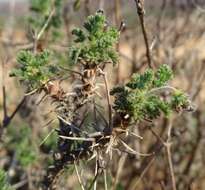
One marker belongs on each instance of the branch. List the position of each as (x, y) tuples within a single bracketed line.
[(7, 121), (108, 97), (45, 25), (168, 150), (141, 12), (119, 170), (4, 91), (79, 178)]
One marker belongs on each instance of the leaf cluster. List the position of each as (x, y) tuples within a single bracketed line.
[(142, 96), (95, 42), (34, 69)]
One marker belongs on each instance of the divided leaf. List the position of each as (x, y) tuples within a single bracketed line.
[(137, 97), (94, 44), (34, 70)]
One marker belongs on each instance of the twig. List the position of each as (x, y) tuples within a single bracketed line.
[(156, 135), (135, 135), (37, 35), (144, 172), (105, 179), (133, 151), (79, 178), (70, 70), (168, 150), (49, 134), (95, 178), (167, 145), (77, 138), (129, 132), (117, 22), (163, 88), (119, 170), (16, 110), (40, 33), (8, 119), (96, 172), (4, 90), (31, 92), (141, 12), (108, 98)]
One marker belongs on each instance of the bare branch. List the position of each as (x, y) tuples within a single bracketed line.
[(141, 12)]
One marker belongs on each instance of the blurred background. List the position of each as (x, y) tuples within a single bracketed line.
[(176, 34)]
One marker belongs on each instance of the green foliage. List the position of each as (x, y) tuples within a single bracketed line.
[(41, 10), (20, 141), (34, 69), (3, 182), (139, 99), (121, 103), (179, 100), (141, 81), (151, 79), (162, 76), (94, 43)]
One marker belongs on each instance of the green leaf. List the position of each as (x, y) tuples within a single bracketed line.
[(34, 69), (136, 100), (141, 81), (163, 75), (180, 101), (94, 44)]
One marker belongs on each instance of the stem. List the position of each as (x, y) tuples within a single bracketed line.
[(119, 170), (96, 173), (38, 35), (144, 172), (108, 98), (45, 25), (141, 12), (171, 168), (95, 178), (4, 91), (8, 120), (168, 150), (117, 22), (105, 179), (79, 178)]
